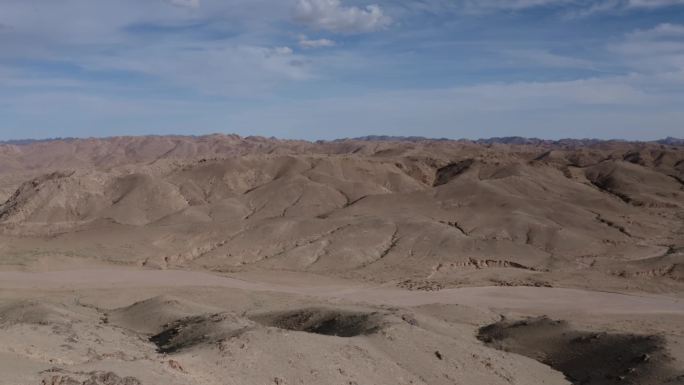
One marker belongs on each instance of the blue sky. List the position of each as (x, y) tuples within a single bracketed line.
[(323, 69)]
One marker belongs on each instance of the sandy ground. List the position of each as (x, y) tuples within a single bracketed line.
[(111, 325), (518, 298)]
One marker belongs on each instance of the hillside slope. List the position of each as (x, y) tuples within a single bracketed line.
[(420, 213)]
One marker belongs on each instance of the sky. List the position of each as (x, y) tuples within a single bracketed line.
[(325, 69)]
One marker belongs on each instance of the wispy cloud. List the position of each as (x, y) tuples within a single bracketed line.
[(186, 3), (620, 106), (659, 49), (305, 42), (664, 30), (608, 6), (653, 3), (570, 8), (212, 67), (530, 58), (332, 16), (511, 4)]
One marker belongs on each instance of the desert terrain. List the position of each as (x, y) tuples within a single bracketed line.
[(378, 260)]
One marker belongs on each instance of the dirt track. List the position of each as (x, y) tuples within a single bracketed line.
[(515, 298)]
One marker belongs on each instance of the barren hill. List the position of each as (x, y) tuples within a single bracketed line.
[(379, 260), (416, 212)]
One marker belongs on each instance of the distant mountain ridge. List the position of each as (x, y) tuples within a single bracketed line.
[(670, 141), (23, 142), (515, 140)]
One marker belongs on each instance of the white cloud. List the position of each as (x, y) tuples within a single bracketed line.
[(305, 42), (242, 64), (620, 106), (656, 50), (570, 8), (545, 95), (654, 3), (332, 16), (284, 51), (186, 3), (483, 6), (512, 4), (621, 6), (214, 68), (541, 58), (659, 31), (596, 8)]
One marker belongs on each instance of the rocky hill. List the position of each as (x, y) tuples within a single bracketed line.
[(420, 212)]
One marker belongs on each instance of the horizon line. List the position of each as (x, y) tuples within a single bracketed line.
[(370, 137)]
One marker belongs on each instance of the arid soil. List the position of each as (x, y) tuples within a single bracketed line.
[(587, 357), (228, 260)]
